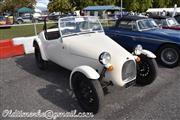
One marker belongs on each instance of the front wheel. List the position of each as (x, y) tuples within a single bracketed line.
[(146, 71), (88, 92)]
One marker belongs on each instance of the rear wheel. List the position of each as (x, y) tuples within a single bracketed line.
[(88, 92), (168, 55), (42, 64), (146, 71)]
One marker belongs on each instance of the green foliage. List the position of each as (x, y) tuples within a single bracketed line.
[(131, 5), (1, 8), (137, 5), (60, 6), (105, 2), (144, 5), (70, 5), (80, 4), (161, 3), (175, 2), (165, 3), (12, 5)]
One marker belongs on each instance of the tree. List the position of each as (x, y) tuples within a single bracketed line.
[(1, 6), (144, 5), (161, 3), (132, 5), (60, 6), (137, 5), (105, 2), (80, 4), (12, 5), (175, 2)]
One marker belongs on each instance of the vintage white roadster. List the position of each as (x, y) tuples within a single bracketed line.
[(96, 61)]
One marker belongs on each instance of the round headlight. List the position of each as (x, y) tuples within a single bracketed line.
[(139, 47), (105, 58)]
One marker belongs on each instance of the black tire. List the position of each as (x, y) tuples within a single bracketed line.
[(42, 64), (168, 55), (19, 21), (88, 92), (146, 71)]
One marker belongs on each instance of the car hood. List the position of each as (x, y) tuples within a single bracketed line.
[(164, 33), (93, 44), (90, 46)]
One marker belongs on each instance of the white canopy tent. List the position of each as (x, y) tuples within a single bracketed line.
[(151, 10)]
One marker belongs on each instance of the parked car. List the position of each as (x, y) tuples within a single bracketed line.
[(56, 16), (177, 17), (2, 20), (38, 17), (166, 22), (25, 18), (132, 30), (96, 61)]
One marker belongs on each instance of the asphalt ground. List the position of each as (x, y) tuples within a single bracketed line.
[(25, 88)]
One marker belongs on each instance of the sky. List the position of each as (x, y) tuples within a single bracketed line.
[(42, 4)]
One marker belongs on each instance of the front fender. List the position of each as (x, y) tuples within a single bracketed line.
[(88, 71), (148, 53), (38, 42)]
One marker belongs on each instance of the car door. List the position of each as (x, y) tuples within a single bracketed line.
[(27, 18), (54, 47)]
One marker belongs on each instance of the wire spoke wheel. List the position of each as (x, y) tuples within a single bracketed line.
[(169, 56)]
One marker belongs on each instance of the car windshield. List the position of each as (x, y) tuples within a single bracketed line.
[(172, 22), (78, 25), (147, 24)]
